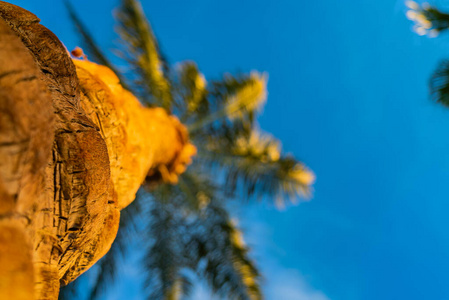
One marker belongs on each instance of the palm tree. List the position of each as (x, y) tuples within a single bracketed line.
[(430, 21), (186, 223)]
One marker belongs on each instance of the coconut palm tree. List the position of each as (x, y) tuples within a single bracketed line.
[(185, 221)]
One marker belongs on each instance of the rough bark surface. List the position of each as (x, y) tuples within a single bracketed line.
[(141, 141), (74, 148)]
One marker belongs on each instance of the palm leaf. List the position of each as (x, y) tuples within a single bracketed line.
[(92, 49), (198, 235), (191, 91), (219, 254), (142, 52), (255, 164), (233, 98), (196, 190), (162, 258), (212, 239), (181, 287), (439, 83)]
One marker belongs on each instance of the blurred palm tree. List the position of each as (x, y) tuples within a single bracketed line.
[(183, 224), (431, 21)]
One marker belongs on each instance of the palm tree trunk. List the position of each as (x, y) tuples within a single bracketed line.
[(74, 148)]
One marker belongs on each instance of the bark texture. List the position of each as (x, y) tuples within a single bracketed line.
[(74, 148)]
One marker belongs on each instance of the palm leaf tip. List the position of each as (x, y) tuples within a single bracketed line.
[(236, 235), (296, 181), (250, 97), (267, 150), (303, 177), (194, 82)]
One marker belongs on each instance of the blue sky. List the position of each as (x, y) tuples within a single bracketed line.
[(348, 96)]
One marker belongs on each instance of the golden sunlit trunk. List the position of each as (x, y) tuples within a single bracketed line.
[(74, 148), (141, 141)]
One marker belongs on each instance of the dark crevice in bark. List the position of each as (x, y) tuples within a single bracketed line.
[(9, 73), (26, 78)]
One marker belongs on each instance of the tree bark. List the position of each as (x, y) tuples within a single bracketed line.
[(74, 148)]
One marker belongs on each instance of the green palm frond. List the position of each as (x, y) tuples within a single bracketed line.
[(163, 258), (217, 250), (196, 190), (439, 83), (192, 91), (242, 263), (191, 194), (182, 287), (203, 238), (255, 164), (234, 98), (211, 238), (142, 53), (174, 207), (92, 49)]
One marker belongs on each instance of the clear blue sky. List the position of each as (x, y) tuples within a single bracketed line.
[(348, 96)]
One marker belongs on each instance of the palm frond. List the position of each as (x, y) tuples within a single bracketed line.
[(191, 90), (221, 257), (212, 243), (439, 83), (186, 285), (234, 98), (92, 49), (162, 258), (171, 206), (196, 191), (242, 263), (181, 287), (255, 164), (198, 235), (142, 52)]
